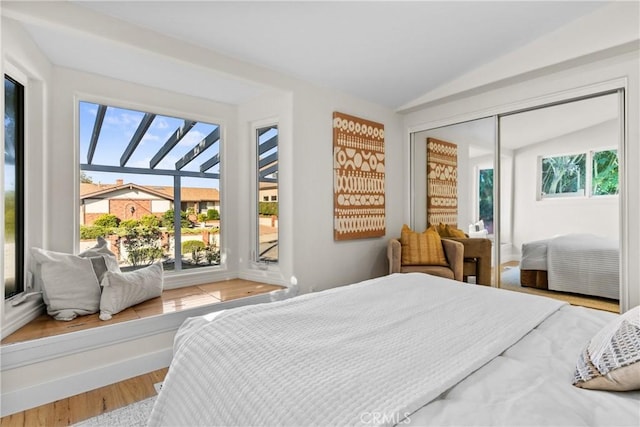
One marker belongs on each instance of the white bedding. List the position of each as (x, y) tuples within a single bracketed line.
[(585, 264), (375, 352), (579, 263), (530, 383), (534, 255)]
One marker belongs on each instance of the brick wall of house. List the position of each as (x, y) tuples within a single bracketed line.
[(89, 218), (122, 208)]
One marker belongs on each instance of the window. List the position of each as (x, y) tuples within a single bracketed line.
[(604, 173), (13, 187), (583, 174), (485, 198), (149, 184), (267, 177)]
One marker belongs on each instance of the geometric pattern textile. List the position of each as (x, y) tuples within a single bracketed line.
[(611, 360), (442, 182), (358, 178)]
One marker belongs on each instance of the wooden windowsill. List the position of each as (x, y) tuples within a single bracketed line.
[(171, 301)]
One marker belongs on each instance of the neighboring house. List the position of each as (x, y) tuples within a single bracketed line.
[(133, 201)]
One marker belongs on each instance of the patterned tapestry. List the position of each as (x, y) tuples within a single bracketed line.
[(442, 182), (358, 178)]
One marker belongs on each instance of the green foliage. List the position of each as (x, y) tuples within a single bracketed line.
[(202, 217), (191, 245), (90, 232), (150, 221), (485, 194), (10, 214), (190, 231), (563, 174), (268, 208), (605, 173), (85, 179), (167, 219), (129, 223), (107, 220), (213, 214), (142, 245)]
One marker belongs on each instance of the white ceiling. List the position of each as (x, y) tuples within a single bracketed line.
[(386, 52)]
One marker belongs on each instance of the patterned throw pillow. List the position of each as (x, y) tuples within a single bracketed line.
[(611, 359), (422, 248)]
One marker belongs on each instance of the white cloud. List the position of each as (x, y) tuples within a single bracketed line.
[(192, 138), (159, 123)]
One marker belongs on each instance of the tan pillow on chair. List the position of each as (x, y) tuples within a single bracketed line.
[(446, 230), (422, 248)]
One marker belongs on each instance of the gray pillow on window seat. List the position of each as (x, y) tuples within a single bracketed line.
[(70, 284), (122, 290)]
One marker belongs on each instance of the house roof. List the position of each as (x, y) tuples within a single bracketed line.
[(187, 194)]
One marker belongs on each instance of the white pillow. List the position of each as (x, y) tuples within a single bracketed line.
[(611, 359), (101, 249), (69, 284), (122, 290)]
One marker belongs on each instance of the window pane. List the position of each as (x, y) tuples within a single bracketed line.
[(133, 205), (563, 175), (605, 173), (13, 191), (485, 198), (267, 174)]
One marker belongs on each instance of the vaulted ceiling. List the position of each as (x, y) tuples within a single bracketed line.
[(387, 52)]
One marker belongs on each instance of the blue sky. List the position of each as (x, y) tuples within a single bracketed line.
[(118, 127)]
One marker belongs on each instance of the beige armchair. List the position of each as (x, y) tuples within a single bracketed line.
[(454, 251)]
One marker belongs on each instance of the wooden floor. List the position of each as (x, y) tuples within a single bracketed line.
[(83, 406), (172, 300)]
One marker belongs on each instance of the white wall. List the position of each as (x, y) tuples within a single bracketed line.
[(319, 261), (19, 52), (535, 219)]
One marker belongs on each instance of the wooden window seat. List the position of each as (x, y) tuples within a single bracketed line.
[(171, 301)]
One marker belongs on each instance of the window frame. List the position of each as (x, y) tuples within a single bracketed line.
[(21, 82), (588, 181), (256, 262), (175, 278)]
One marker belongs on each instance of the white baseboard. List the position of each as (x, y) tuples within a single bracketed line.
[(40, 394)]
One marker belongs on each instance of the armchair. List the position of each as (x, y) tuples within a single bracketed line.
[(454, 251), (477, 258)]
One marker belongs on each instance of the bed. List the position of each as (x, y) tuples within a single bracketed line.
[(577, 263), (401, 349)]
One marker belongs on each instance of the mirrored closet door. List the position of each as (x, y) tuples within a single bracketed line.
[(452, 172), (559, 196), (557, 186)]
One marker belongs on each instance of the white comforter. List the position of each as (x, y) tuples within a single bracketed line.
[(369, 353), (530, 383), (585, 264)]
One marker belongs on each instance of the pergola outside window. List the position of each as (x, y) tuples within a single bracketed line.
[(150, 186)]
